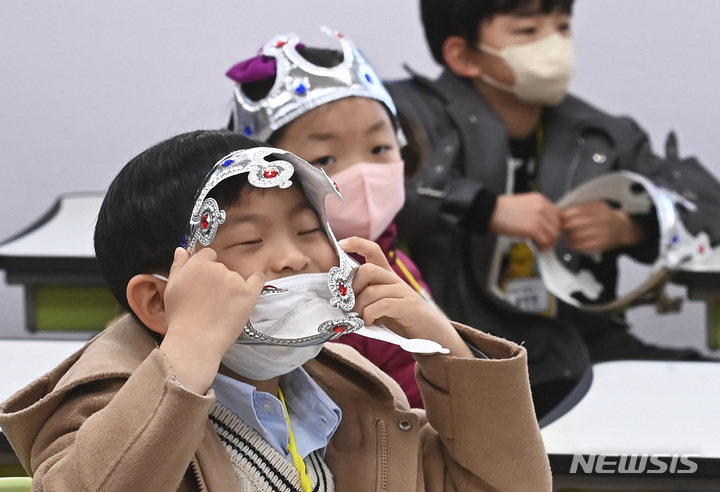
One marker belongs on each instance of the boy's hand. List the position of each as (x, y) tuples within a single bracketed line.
[(529, 216), (383, 297), (595, 227), (206, 305)]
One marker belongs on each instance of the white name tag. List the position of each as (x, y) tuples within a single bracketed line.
[(528, 294)]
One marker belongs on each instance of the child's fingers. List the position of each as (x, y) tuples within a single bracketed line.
[(375, 292), (396, 314), (372, 308), (370, 274), (367, 249), (255, 283), (180, 257)]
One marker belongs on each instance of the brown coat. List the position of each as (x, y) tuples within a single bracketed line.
[(113, 418)]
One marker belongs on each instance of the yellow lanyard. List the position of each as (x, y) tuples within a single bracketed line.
[(411, 279), (297, 459)]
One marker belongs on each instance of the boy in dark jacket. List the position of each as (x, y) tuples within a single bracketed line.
[(506, 142)]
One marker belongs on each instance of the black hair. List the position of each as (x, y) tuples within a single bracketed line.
[(147, 207), (444, 18), (324, 57)]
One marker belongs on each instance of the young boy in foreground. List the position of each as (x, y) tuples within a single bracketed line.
[(179, 394)]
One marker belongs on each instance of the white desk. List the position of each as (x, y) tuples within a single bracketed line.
[(67, 232), (642, 407), (22, 361)]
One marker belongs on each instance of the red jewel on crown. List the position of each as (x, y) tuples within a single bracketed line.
[(701, 249), (280, 44), (342, 289), (270, 173), (204, 223), (340, 328)]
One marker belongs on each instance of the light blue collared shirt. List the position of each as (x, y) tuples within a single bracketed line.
[(313, 415)]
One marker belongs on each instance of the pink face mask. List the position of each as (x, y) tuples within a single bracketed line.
[(373, 194)]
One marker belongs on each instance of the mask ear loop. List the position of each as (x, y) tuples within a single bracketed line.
[(160, 277)]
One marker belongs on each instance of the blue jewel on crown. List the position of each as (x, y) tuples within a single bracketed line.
[(300, 86)]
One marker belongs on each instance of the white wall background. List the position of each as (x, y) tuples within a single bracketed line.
[(86, 85)]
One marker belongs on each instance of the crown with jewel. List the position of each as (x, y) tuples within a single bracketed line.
[(301, 86), (267, 167)]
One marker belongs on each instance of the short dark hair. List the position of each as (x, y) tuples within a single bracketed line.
[(444, 18), (145, 212)]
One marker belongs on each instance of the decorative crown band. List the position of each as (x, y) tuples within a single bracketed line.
[(267, 167), (301, 86), (207, 215)]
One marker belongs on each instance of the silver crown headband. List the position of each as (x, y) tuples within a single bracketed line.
[(267, 167), (301, 86), (676, 246)]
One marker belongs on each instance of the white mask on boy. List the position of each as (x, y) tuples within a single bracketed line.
[(294, 309), (542, 68), (373, 194), (290, 308)]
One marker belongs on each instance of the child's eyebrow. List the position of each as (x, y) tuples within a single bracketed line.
[(322, 136), (377, 126), (300, 208), (294, 211), (243, 219)]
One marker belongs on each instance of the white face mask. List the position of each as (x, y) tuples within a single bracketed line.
[(542, 68), (299, 308), (294, 308), (373, 194)]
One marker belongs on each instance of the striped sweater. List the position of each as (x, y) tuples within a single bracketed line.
[(258, 465)]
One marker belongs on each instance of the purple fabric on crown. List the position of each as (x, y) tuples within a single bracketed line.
[(260, 67)]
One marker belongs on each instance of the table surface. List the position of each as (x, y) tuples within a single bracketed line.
[(643, 407), (22, 361), (67, 232)]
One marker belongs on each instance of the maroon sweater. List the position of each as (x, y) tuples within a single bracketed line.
[(393, 360)]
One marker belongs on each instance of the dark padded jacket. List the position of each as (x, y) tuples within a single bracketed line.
[(468, 153)]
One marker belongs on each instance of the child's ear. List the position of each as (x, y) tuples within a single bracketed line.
[(145, 295), (461, 58)]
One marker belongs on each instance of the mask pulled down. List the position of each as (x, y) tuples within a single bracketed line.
[(293, 317), (291, 320)]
